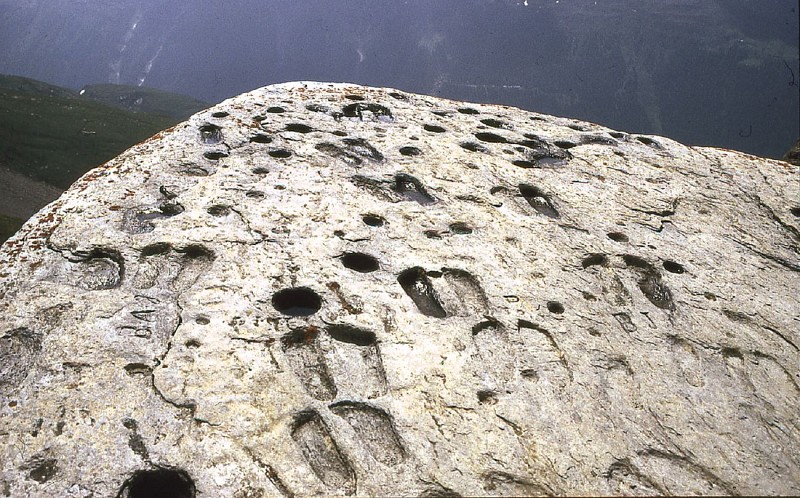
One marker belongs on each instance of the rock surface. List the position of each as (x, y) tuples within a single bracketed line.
[(332, 289)]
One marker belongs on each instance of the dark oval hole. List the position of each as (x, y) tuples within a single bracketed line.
[(254, 194), (460, 228), (473, 147), (170, 209), (317, 108), (299, 128), (434, 128), (636, 262), (351, 335), (673, 267), (196, 251), (210, 134), (616, 134), (218, 210), (577, 127), (648, 141), (354, 97), (261, 138), (594, 260), (297, 301), (524, 164), (360, 262), (215, 155), (495, 123), (372, 220), (158, 483), (490, 137), (156, 249), (220, 114), (795, 211), (617, 236), (555, 307), (260, 171), (468, 110), (276, 110), (280, 153), (398, 96), (410, 151), (563, 144)]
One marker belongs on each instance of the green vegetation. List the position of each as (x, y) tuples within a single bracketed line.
[(34, 87), (56, 139), (141, 99), (8, 227)]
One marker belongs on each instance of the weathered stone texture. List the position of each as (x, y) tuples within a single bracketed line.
[(332, 289)]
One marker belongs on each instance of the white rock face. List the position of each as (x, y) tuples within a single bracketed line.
[(332, 289)]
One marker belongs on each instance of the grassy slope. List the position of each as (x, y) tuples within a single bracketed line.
[(141, 99), (35, 87), (55, 139)]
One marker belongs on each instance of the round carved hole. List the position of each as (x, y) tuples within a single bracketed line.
[(297, 301), (360, 262), (673, 267), (555, 307), (434, 128), (410, 151), (617, 237), (158, 483), (280, 153), (372, 220)]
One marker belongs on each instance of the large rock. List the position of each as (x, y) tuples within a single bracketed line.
[(332, 289)]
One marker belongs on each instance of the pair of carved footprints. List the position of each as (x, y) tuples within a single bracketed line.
[(343, 358)]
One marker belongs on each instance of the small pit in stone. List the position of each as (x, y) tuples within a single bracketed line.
[(215, 155), (474, 147), (219, 210), (487, 396), (795, 211), (617, 236), (158, 483), (220, 114), (280, 153), (412, 189), (210, 134), (490, 138), (460, 228), (260, 138), (555, 307), (299, 128), (673, 267), (563, 144), (360, 262), (538, 200), (434, 128), (496, 123), (260, 171), (372, 220), (410, 151), (595, 260), (297, 301), (648, 141), (468, 110), (276, 110)]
